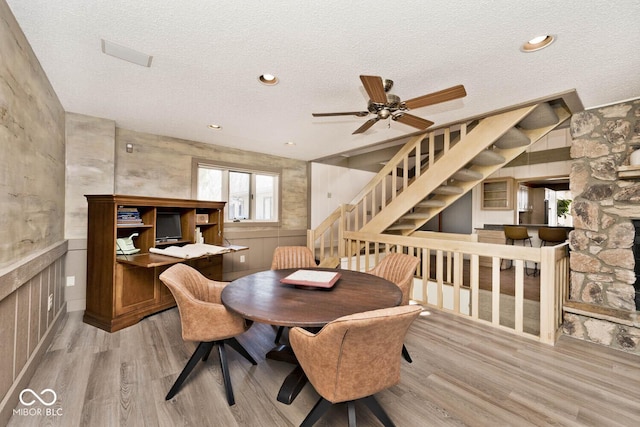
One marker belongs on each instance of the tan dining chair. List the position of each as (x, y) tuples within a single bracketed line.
[(291, 257), (399, 269), (205, 320), (354, 357)]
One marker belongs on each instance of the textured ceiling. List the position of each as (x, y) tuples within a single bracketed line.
[(207, 56)]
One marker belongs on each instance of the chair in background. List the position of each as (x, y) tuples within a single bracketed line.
[(516, 233), (399, 269), (354, 357), (204, 319), (552, 235), (291, 257)]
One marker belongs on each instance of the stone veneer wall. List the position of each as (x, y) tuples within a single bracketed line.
[(601, 306)]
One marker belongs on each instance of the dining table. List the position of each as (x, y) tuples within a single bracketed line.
[(263, 297)]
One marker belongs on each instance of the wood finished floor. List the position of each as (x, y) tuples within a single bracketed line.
[(463, 374)]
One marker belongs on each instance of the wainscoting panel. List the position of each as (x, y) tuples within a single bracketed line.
[(27, 324)]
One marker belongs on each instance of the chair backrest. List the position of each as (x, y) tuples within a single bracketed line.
[(202, 315), (555, 235), (399, 269), (292, 257), (355, 356), (516, 232)]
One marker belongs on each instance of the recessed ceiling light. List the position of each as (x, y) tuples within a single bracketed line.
[(268, 79), (290, 143), (216, 127), (537, 43)]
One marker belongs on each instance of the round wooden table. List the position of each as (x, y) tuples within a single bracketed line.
[(261, 297)]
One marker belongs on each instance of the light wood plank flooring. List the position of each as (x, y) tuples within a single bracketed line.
[(463, 374)]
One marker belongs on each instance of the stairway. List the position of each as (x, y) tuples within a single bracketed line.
[(434, 169), (459, 165)]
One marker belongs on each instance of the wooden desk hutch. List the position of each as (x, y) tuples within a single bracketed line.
[(122, 289)]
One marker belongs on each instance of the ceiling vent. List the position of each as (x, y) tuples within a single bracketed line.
[(126, 54)]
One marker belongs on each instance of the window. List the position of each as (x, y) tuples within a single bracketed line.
[(251, 195)]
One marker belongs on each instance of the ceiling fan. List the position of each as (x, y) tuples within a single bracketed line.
[(384, 104)]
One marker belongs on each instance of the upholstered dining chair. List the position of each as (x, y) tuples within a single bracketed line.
[(399, 269), (354, 357), (291, 257), (205, 320)]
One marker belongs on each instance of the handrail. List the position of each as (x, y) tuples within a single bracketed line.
[(440, 278), (389, 167)]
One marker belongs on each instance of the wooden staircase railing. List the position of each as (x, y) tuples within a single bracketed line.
[(430, 172)]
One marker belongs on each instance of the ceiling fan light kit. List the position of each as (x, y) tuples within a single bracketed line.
[(388, 105)]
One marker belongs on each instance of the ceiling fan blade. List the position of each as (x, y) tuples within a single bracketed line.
[(375, 88), (453, 92), (350, 113), (415, 121), (366, 125)]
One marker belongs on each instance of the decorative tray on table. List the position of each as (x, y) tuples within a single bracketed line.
[(311, 279)]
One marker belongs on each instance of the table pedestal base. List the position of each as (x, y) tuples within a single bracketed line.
[(292, 385), (282, 353), (295, 381)]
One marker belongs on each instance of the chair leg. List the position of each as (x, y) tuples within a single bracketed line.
[(203, 349), (233, 342), (206, 355), (377, 410), (351, 409), (405, 354), (225, 373), (318, 410), (279, 334)]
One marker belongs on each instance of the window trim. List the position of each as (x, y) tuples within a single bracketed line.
[(229, 166)]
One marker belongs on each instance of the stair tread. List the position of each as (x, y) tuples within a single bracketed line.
[(543, 115), (488, 158), (513, 138), (401, 227), (448, 189), (416, 215), (431, 203), (467, 175)]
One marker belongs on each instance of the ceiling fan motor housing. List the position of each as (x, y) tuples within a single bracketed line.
[(384, 110)]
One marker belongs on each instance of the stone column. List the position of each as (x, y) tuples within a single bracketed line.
[(601, 259)]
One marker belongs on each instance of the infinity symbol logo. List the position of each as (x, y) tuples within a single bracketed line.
[(38, 397)]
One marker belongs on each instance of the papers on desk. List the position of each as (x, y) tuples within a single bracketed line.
[(312, 278), (192, 250)]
